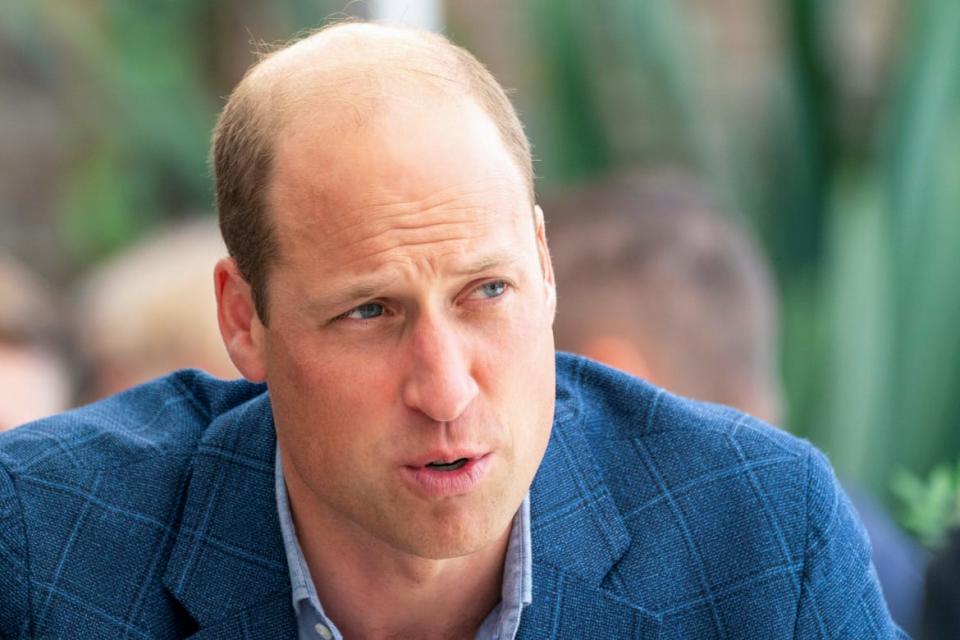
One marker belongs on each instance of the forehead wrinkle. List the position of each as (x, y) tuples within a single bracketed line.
[(466, 203), (395, 246), (473, 196), (395, 241), (389, 250), (406, 224)]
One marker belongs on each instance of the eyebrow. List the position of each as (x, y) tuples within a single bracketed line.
[(343, 298), (487, 262), (370, 288)]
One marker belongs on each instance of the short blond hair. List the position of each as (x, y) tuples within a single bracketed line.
[(351, 54)]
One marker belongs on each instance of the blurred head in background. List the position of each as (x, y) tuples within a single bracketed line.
[(654, 280), (149, 310), (34, 375)]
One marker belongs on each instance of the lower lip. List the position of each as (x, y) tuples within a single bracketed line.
[(433, 483)]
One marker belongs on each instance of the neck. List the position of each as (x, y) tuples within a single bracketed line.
[(370, 589)]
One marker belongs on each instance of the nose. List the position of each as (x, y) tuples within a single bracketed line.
[(439, 382)]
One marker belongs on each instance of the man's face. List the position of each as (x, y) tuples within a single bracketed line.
[(410, 326)]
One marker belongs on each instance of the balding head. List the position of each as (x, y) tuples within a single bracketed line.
[(345, 74)]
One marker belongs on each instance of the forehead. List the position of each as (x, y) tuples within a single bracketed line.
[(413, 172)]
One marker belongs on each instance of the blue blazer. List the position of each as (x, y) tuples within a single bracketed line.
[(152, 515)]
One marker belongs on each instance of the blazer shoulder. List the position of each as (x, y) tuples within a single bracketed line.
[(654, 448), (162, 417), (14, 563), (610, 405), (113, 475)]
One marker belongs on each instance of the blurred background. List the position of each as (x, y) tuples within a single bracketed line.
[(828, 131)]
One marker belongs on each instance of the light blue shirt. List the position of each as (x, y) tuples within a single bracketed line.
[(500, 624)]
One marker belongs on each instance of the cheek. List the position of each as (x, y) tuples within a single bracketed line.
[(521, 373), (528, 341), (326, 400), (317, 369)]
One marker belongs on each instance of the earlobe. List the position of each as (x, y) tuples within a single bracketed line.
[(240, 327)]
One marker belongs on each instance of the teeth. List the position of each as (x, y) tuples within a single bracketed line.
[(447, 466)]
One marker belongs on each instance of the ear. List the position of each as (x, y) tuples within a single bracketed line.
[(543, 252), (240, 327)]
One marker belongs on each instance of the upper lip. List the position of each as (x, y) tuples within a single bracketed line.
[(446, 455)]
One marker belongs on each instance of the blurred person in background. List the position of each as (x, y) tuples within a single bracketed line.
[(35, 377), (148, 311), (658, 282)]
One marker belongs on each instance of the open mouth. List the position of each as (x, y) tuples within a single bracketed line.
[(447, 466), (448, 475)]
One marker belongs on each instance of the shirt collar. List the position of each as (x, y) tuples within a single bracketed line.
[(301, 583)]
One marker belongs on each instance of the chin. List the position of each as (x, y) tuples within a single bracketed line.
[(455, 537)]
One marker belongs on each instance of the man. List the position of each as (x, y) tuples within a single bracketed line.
[(144, 312), (35, 378), (692, 308), (418, 464), (691, 302)]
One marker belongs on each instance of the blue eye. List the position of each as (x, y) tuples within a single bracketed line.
[(493, 289), (366, 311)]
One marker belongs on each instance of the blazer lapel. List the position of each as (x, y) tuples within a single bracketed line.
[(578, 536), (228, 567), (565, 606), (575, 524)]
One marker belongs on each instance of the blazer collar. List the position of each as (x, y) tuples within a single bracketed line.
[(578, 536), (576, 526), (227, 566)]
